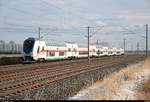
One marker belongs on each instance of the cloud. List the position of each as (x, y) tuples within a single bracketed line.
[(135, 19), (56, 2), (74, 14), (71, 24)]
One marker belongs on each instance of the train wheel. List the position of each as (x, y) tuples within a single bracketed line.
[(43, 60)]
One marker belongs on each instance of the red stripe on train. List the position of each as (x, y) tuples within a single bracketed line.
[(75, 51)]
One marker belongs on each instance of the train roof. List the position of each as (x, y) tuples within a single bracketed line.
[(55, 44), (30, 38), (60, 44), (63, 44)]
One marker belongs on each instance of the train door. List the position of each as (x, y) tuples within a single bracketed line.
[(39, 51), (74, 50), (69, 50)]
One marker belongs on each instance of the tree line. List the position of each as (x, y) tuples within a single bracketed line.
[(10, 47)]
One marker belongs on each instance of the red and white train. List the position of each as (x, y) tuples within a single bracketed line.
[(34, 50)]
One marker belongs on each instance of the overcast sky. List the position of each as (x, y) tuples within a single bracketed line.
[(66, 20)]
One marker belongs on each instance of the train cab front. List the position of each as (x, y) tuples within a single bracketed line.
[(28, 50)]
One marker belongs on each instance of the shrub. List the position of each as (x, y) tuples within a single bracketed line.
[(10, 60)]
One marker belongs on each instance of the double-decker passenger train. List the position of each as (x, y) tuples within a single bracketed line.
[(37, 50)]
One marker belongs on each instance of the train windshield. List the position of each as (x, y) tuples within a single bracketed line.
[(28, 45)]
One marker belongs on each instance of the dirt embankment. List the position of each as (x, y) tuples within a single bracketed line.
[(131, 83)]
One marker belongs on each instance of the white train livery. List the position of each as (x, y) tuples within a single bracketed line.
[(34, 50)]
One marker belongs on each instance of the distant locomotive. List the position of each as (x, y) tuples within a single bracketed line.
[(34, 50)]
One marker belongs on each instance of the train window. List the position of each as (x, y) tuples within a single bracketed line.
[(61, 53), (38, 49), (118, 52), (98, 52), (75, 50), (101, 52), (109, 52), (42, 48), (83, 53), (28, 45), (69, 49), (51, 53)]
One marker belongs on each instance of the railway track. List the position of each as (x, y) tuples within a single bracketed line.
[(16, 83), (6, 69), (38, 70)]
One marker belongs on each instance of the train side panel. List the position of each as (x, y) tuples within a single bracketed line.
[(72, 50), (53, 52), (37, 50)]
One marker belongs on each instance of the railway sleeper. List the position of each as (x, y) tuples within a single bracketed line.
[(33, 87), (18, 91), (17, 85), (23, 77), (29, 75), (4, 95), (10, 87)]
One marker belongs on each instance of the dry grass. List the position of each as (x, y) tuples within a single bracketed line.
[(144, 92), (115, 81), (111, 84)]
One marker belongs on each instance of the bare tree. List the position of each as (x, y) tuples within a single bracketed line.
[(12, 46), (2, 45)]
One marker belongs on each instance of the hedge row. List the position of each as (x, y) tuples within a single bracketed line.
[(10, 60), (10, 52)]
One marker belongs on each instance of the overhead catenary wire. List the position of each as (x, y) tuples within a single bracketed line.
[(29, 13), (65, 11), (71, 13), (132, 32), (25, 12), (18, 25), (100, 28)]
